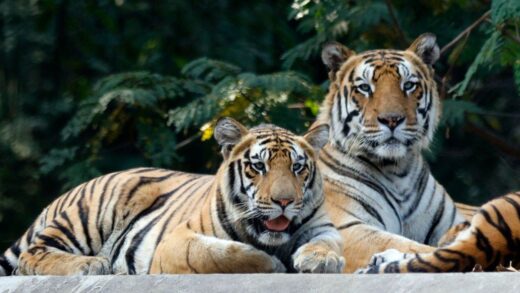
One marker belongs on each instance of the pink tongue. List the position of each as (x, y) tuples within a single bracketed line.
[(279, 224)]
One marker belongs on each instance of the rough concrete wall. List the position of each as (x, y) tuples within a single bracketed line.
[(444, 283)]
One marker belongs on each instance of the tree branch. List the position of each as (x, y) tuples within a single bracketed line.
[(187, 141), (465, 32), (493, 139), (447, 76), (511, 36)]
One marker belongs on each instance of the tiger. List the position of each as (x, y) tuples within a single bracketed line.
[(383, 108), (491, 240), (262, 212)]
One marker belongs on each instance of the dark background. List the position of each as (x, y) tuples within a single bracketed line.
[(90, 87)]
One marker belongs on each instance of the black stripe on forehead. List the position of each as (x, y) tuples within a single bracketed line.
[(385, 70), (382, 56), (269, 130), (274, 144), (280, 151), (380, 53), (277, 141)]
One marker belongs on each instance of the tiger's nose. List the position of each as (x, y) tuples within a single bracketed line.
[(391, 120), (283, 202)]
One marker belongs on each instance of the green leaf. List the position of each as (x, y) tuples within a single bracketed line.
[(503, 10), (158, 144), (138, 90), (485, 57), (304, 51), (454, 111), (56, 158), (209, 69), (194, 113), (78, 173), (287, 81)]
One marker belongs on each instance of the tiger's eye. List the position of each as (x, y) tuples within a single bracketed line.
[(364, 87), (259, 166), (408, 85), (297, 167)]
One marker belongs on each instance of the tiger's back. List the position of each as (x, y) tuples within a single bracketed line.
[(115, 216)]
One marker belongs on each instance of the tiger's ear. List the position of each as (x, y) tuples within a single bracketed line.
[(228, 132), (318, 136), (425, 46), (333, 55)]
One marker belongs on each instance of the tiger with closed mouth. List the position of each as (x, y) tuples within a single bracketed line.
[(262, 212), (383, 108)]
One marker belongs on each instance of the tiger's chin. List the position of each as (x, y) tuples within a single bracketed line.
[(273, 238), (391, 150)]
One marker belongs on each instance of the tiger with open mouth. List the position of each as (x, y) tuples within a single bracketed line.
[(262, 212)]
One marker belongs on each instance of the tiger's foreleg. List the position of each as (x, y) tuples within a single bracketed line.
[(461, 256), (56, 252), (362, 241), (185, 251), (489, 241), (322, 250)]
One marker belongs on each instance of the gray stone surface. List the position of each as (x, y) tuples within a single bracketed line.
[(472, 282)]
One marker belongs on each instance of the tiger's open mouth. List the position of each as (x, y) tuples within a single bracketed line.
[(279, 224)]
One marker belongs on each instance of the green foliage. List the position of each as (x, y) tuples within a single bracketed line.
[(454, 112), (140, 90), (234, 92), (485, 57), (325, 19), (209, 70), (504, 11)]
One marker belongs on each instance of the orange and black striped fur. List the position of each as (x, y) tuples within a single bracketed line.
[(491, 239), (262, 212), (383, 108)]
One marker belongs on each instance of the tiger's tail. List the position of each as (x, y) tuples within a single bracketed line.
[(8, 261), (5, 266)]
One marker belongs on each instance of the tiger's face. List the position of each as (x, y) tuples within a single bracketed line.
[(271, 179), (382, 102)]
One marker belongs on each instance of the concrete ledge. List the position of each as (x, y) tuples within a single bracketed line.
[(471, 282)]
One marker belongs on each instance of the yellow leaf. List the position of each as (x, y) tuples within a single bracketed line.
[(207, 131)]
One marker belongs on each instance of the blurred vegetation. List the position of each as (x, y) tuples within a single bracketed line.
[(89, 87)]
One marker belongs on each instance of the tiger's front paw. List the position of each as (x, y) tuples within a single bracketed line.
[(243, 258), (368, 270), (385, 262), (90, 265), (389, 255), (316, 259)]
